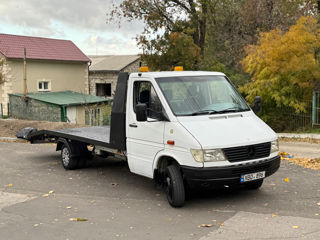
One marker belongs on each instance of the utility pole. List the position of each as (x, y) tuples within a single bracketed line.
[(25, 74)]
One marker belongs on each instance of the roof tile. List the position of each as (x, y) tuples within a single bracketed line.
[(12, 46)]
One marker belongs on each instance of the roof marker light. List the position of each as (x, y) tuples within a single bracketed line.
[(144, 69), (178, 68)]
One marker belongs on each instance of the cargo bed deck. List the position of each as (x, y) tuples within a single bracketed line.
[(99, 136)]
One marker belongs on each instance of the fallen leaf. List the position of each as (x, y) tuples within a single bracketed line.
[(69, 207), (10, 185), (36, 225), (316, 214), (295, 227), (273, 215), (50, 192), (131, 228), (169, 219), (266, 204), (206, 225), (70, 178), (78, 219), (318, 203), (287, 179), (45, 195)]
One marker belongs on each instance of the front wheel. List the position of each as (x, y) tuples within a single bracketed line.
[(174, 186)]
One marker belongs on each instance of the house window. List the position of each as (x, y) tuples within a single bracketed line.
[(103, 89), (44, 86)]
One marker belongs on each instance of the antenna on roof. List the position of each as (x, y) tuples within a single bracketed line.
[(25, 74)]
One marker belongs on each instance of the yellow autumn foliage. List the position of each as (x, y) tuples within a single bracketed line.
[(284, 66)]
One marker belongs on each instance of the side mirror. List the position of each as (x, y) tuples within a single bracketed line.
[(257, 104), (141, 112)]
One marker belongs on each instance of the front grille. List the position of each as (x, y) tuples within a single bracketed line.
[(243, 153)]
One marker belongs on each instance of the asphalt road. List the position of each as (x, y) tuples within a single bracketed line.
[(121, 205)]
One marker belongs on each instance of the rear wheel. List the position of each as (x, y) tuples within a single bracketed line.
[(254, 185), (174, 186), (68, 161)]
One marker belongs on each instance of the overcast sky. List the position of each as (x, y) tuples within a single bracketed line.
[(83, 22)]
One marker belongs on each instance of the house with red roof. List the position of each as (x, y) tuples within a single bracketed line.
[(52, 66)]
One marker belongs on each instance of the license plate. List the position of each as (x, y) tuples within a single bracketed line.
[(252, 176)]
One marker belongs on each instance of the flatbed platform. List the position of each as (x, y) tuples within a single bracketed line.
[(99, 136)]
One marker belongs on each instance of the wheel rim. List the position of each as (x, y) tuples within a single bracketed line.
[(65, 156), (169, 189)]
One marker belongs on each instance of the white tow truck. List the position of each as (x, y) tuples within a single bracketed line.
[(181, 128)]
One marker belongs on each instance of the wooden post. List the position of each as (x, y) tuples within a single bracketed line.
[(25, 74)]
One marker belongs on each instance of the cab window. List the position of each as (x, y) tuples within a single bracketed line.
[(144, 92)]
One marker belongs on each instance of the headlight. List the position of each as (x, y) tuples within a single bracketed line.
[(274, 146), (197, 154), (210, 155)]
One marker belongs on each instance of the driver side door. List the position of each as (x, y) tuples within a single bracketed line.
[(144, 139)]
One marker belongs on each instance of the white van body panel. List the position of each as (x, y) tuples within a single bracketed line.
[(228, 130), (183, 142)]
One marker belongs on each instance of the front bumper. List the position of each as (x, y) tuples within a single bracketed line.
[(228, 175)]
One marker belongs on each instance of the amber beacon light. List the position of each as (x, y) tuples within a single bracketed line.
[(178, 68), (144, 69)]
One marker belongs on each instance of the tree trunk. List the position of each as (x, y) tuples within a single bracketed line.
[(195, 20), (318, 11), (203, 27), (270, 17)]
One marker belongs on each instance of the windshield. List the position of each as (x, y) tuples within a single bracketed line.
[(201, 95)]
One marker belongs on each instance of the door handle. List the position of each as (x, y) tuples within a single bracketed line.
[(133, 125)]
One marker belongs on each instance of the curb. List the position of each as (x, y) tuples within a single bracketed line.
[(299, 136), (12, 139)]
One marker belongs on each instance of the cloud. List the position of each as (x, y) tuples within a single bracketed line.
[(84, 22), (100, 45), (82, 15)]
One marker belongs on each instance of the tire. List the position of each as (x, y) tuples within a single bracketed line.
[(174, 186), (254, 185), (82, 162), (68, 161)]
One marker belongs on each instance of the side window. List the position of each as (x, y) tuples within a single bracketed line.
[(145, 93)]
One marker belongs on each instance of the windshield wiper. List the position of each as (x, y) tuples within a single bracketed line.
[(231, 109), (204, 112)]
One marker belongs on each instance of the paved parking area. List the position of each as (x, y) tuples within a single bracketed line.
[(38, 198)]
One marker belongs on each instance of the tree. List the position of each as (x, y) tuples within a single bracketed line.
[(185, 17), (237, 24), (219, 28), (283, 66), (174, 49)]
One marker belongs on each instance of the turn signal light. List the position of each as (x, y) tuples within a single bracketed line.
[(144, 69)]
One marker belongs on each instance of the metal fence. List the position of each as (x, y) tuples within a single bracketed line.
[(316, 108), (286, 119), (3, 113)]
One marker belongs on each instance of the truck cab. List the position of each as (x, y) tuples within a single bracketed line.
[(185, 128)]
